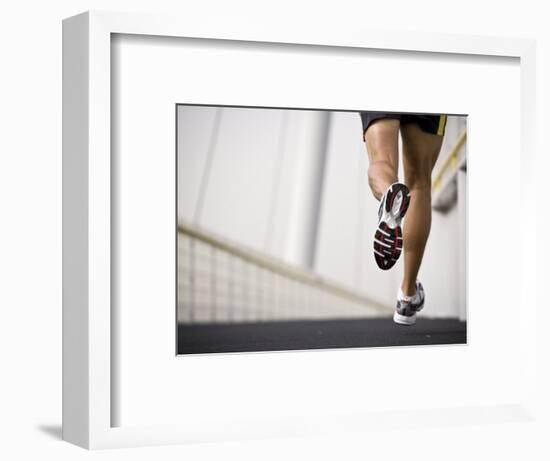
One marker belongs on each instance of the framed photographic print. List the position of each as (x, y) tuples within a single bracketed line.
[(258, 225)]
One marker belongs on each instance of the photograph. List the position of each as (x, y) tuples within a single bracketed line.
[(302, 228)]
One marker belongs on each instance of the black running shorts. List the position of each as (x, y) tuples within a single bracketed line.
[(434, 124)]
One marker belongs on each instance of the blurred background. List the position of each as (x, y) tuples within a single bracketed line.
[(276, 219)]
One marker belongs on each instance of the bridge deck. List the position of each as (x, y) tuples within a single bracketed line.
[(318, 334)]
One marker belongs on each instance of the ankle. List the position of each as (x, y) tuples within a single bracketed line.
[(407, 290)]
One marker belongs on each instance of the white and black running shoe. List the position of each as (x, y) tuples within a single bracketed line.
[(408, 306), (388, 239)]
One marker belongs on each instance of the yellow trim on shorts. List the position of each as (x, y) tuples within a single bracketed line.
[(442, 123)]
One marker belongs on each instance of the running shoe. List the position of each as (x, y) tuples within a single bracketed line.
[(408, 306), (388, 239)]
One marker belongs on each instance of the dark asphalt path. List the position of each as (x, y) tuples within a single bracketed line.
[(317, 334)]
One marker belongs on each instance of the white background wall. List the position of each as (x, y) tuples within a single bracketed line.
[(248, 191), (30, 239)]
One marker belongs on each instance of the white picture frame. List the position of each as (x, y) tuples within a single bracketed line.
[(89, 365)]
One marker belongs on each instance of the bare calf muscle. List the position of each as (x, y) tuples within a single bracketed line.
[(420, 152)]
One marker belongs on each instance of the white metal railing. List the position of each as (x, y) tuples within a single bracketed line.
[(220, 281)]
